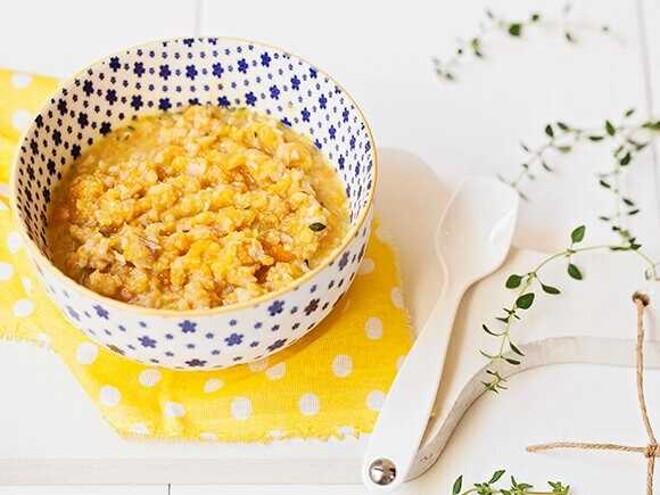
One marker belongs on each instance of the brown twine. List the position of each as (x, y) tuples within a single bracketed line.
[(651, 450)]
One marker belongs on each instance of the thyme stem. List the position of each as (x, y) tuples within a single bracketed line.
[(492, 24)]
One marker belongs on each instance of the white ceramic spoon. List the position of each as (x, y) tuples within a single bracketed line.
[(472, 240)]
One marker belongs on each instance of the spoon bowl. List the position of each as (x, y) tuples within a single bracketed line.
[(475, 232)]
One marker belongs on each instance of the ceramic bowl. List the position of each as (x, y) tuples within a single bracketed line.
[(168, 75)]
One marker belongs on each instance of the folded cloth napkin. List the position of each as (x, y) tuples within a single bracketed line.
[(330, 384)]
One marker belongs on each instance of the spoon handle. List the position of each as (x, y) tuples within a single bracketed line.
[(405, 413)]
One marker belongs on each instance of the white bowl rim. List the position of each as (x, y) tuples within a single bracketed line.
[(110, 302)]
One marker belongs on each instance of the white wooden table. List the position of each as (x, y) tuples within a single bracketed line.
[(381, 51)]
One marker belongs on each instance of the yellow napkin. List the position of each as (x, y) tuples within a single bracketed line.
[(330, 384)]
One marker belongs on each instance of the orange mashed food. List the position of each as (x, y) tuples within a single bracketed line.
[(196, 209)]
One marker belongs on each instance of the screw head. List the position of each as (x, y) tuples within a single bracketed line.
[(382, 472)]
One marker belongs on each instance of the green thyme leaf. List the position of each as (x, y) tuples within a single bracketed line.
[(525, 301), (515, 349), (488, 331), (458, 484), (652, 125), (574, 272), (513, 281), (609, 128), (578, 234), (559, 488), (317, 227), (515, 29), (487, 355), (549, 289), (549, 131), (626, 159), (496, 476), (514, 362), (596, 138)]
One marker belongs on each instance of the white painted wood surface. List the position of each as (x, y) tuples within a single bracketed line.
[(381, 52)]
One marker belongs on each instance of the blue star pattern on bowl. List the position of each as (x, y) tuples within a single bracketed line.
[(166, 76)]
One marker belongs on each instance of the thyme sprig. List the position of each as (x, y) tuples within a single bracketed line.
[(493, 24), (627, 139), (514, 487), (527, 286)]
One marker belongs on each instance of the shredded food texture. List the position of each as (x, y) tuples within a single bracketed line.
[(196, 209)]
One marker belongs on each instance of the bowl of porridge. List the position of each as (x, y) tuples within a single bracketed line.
[(196, 203)]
